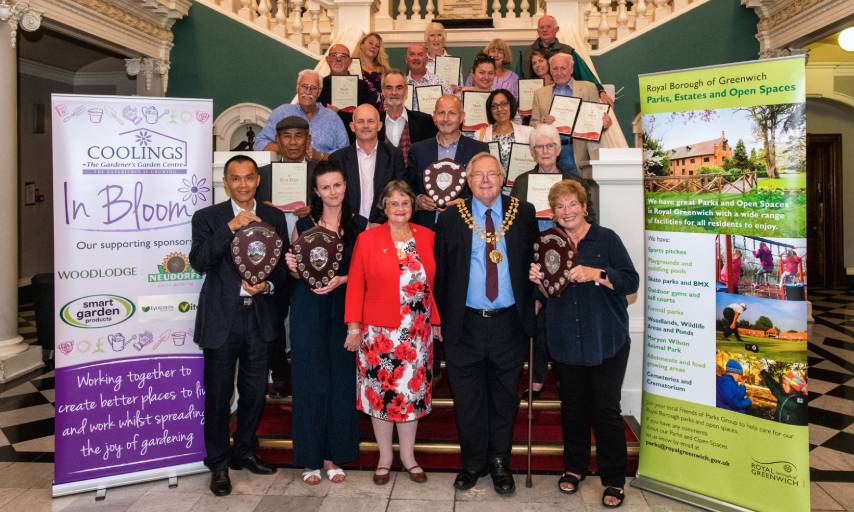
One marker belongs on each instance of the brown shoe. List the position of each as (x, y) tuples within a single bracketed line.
[(384, 478), (418, 477)]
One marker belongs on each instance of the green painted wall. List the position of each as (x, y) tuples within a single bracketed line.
[(216, 57)]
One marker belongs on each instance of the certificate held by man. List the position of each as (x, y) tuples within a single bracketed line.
[(564, 109), (427, 96), (290, 185), (527, 87), (538, 192), (521, 161), (448, 69), (590, 121), (474, 109), (345, 92)]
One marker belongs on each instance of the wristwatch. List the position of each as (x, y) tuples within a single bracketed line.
[(603, 275)]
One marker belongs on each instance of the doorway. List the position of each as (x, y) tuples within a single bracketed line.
[(824, 211)]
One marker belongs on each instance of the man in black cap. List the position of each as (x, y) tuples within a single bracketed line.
[(293, 139)]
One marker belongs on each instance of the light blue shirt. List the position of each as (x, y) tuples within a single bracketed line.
[(447, 152), (566, 159), (327, 130), (476, 294)]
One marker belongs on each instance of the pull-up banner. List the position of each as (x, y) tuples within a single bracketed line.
[(724, 417), (129, 172)]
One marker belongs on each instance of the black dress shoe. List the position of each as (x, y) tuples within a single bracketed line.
[(253, 464), (502, 478), (220, 483), (280, 389), (467, 479)]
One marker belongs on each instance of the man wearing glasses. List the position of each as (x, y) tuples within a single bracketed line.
[(402, 127), (327, 131), (338, 59)]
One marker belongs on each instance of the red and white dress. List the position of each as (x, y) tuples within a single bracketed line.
[(394, 367)]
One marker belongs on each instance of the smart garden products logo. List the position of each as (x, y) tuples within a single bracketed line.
[(174, 267), (780, 471), (96, 311)]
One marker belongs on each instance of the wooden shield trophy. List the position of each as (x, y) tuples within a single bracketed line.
[(255, 251), (556, 254), (318, 252)]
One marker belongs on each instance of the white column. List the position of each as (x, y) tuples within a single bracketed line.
[(354, 15), (567, 13), (619, 173), (15, 358)]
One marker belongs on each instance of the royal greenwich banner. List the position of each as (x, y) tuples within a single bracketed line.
[(724, 416), (129, 172)]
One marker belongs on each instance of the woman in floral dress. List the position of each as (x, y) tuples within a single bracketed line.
[(390, 311)]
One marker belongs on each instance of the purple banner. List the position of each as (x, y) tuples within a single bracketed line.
[(128, 415)]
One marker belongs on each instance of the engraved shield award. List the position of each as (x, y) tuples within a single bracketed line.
[(255, 251), (319, 253), (556, 254), (444, 181)]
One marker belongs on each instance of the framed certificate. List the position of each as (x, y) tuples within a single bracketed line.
[(345, 92), (474, 108), (521, 161), (289, 185), (448, 69), (494, 150), (564, 109), (538, 192), (410, 93), (427, 96), (589, 123), (526, 94), (356, 68)]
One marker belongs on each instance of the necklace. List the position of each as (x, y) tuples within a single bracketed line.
[(490, 237)]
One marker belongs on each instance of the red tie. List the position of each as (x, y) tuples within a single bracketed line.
[(403, 144), (491, 267)]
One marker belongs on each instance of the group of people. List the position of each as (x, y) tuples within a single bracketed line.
[(415, 275)]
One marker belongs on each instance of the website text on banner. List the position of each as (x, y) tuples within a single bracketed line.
[(725, 359), (128, 175)]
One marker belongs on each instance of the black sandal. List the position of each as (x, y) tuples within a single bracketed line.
[(613, 492), (568, 478)]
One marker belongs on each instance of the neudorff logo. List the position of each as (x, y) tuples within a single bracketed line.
[(95, 311), (175, 267), (780, 471)]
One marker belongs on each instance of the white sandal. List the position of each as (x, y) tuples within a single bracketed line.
[(308, 475), (332, 473)]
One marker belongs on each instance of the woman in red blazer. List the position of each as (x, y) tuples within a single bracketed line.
[(391, 315)]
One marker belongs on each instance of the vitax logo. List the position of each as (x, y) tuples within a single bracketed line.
[(96, 311)]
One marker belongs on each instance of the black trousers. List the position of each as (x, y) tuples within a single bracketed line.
[(729, 316), (590, 397), (483, 371), (246, 347)]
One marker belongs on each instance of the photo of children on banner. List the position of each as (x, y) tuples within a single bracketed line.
[(761, 357), (772, 268)]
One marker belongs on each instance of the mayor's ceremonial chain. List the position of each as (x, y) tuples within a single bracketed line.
[(487, 236)]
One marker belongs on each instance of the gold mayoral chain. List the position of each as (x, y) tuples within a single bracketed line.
[(489, 237)]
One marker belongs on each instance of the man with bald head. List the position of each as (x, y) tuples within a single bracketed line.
[(547, 29), (338, 59), (416, 62), (368, 164), (575, 154)]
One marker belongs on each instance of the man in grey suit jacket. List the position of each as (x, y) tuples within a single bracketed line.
[(575, 154)]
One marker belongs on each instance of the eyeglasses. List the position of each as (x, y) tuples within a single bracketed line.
[(485, 176), (309, 88), (542, 148), (496, 106), (399, 204), (339, 56)]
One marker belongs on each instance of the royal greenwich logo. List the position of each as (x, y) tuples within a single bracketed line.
[(174, 267), (96, 311), (780, 471)]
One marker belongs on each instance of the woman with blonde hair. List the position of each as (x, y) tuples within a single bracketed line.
[(374, 60)]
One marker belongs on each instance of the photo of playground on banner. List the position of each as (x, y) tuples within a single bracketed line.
[(731, 170), (771, 268), (761, 355)]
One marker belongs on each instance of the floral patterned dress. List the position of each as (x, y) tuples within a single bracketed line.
[(394, 367)]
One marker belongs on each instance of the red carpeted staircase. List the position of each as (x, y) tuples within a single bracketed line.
[(436, 446)]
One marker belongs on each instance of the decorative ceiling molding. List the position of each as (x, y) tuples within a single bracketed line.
[(787, 23)]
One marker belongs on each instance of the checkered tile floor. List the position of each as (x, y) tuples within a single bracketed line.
[(27, 411)]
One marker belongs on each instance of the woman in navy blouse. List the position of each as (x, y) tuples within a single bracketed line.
[(587, 331)]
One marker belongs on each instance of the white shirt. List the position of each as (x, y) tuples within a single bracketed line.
[(367, 165), (394, 128), (738, 308)]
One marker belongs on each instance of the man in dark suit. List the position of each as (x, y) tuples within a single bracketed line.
[(484, 247), (449, 142), (236, 323), (339, 60), (293, 140), (368, 164), (403, 127)]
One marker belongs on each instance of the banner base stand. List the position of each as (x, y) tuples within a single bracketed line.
[(685, 496), (100, 485)]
